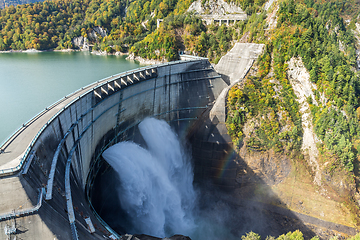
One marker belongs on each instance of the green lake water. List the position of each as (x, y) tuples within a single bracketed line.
[(30, 82)]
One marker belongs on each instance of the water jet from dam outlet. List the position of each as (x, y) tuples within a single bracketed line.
[(155, 187), (156, 183)]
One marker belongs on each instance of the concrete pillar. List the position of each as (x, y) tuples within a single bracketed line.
[(135, 77), (129, 79), (158, 21), (110, 87), (117, 84), (123, 81)]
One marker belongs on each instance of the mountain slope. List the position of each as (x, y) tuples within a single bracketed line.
[(301, 99)]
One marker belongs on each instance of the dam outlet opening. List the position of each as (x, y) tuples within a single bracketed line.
[(145, 186)]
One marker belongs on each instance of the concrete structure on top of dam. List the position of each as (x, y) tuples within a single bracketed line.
[(49, 166)]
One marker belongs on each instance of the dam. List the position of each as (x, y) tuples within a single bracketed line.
[(49, 167)]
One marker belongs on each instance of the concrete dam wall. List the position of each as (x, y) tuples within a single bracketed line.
[(52, 170), (46, 184)]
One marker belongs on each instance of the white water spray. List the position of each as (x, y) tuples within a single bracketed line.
[(156, 183)]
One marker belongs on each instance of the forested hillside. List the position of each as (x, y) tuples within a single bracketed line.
[(129, 26), (53, 24), (4, 3), (315, 34), (8, 3)]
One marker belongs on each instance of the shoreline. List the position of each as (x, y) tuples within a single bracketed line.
[(143, 61), (66, 50), (32, 50), (129, 56)]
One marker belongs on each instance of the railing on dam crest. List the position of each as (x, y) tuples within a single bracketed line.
[(102, 88), (98, 92)]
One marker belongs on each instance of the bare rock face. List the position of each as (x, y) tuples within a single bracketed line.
[(81, 43), (93, 35), (271, 18), (357, 35), (268, 4), (214, 7), (100, 31), (262, 166), (144, 61), (303, 88), (339, 181)]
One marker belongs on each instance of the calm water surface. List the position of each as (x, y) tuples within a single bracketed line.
[(30, 82)]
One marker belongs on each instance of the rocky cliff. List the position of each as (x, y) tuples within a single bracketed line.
[(300, 181), (214, 7)]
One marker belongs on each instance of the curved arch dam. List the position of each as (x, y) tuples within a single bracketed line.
[(49, 166)]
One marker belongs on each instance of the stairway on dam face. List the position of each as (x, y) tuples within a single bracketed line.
[(180, 92)]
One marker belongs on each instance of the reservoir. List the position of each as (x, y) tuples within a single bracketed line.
[(30, 82)]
